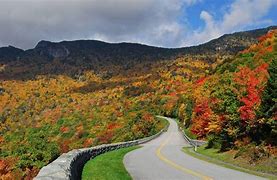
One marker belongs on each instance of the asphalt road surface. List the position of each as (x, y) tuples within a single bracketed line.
[(162, 158)]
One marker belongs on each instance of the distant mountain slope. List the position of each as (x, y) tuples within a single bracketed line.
[(231, 43), (9, 53), (75, 56)]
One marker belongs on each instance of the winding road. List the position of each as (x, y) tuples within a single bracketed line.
[(162, 158)]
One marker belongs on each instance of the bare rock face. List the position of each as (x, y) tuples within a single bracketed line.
[(51, 49)]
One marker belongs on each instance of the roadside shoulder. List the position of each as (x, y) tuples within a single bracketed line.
[(220, 161)]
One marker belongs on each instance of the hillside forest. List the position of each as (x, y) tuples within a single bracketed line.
[(230, 102)]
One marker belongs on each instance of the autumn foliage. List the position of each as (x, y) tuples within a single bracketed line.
[(230, 106), (202, 118), (252, 82), (230, 103)]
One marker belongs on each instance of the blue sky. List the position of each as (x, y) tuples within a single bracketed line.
[(166, 23), (208, 19), (218, 8)]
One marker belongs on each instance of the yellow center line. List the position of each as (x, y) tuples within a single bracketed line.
[(176, 166)]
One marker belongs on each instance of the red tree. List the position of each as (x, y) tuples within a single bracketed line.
[(251, 82)]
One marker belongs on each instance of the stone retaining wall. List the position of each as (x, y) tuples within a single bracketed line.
[(70, 165)]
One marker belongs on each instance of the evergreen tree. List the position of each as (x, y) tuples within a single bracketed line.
[(269, 103)]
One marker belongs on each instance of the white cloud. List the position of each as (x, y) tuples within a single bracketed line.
[(155, 22), (24, 22), (241, 14), (245, 12)]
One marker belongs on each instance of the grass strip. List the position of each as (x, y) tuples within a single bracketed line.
[(108, 166), (223, 159)]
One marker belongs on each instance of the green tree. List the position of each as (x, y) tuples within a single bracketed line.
[(188, 110), (269, 100)]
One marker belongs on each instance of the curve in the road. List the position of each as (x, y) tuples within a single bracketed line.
[(162, 158), (176, 166)]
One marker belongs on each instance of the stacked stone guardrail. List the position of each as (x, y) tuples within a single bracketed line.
[(70, 165)]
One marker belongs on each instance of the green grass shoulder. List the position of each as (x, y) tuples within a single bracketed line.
[(226, 159), (108, 166)]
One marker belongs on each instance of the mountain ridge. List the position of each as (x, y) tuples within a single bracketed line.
[(249, 34), (75, 57)]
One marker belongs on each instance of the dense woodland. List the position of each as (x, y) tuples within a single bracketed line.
[(229, 101)]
